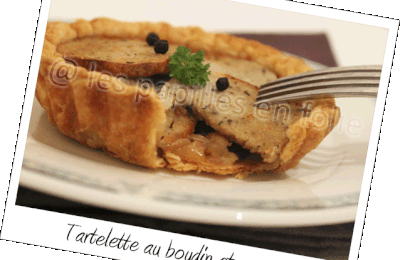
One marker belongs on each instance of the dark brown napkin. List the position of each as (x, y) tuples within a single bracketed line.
[(328, 242), (314, 47)]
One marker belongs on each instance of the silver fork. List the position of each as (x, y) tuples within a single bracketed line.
[(355, 81)]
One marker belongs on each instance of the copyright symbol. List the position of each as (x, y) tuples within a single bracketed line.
[(61, 73)]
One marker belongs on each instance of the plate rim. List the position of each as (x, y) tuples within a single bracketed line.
[(226, 217)]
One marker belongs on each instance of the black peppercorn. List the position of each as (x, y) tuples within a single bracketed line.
[(161, 46), (152, 38), (222, 84)]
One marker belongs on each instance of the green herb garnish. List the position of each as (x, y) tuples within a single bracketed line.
[(188, 68)]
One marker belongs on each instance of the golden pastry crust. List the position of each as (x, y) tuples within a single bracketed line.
[(240, 169), (101, 111)]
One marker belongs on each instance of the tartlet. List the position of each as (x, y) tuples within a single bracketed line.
[(97, 92)]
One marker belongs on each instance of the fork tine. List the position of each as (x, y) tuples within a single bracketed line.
[(333, 82), (344, 90), (319, 78), (334, 70)]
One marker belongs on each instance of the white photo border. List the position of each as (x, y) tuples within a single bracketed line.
[(14, 215)]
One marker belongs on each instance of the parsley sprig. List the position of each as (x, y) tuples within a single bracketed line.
[(188, 68)]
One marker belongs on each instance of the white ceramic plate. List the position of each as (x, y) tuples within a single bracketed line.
[(323, 189)]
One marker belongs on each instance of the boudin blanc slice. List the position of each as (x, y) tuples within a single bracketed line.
[(120, 57), (248, 71), (179, 124), (232, 114)]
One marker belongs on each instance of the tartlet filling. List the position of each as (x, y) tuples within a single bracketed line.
[(186, 134)]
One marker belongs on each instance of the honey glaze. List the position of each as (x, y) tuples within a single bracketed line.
[(212, 148)]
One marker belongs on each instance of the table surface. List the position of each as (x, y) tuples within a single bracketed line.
[(329, 242)]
